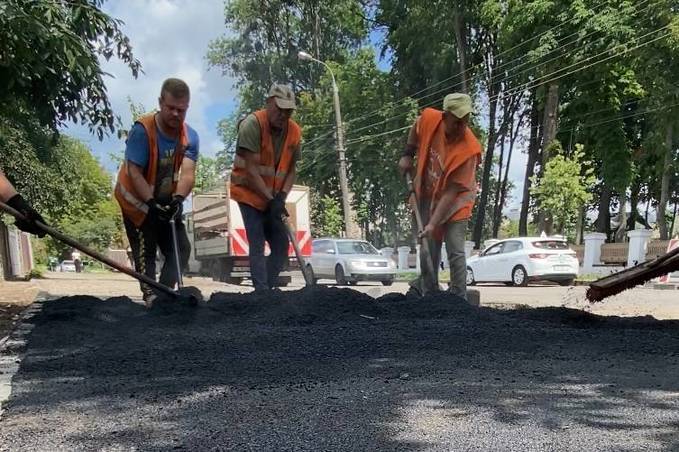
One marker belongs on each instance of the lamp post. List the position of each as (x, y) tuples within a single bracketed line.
[(344, 185)]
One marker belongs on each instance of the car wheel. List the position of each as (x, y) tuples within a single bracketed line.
[(566, 282), (310, 272), (519, 276), (470, 277), (339, 276), (388, 282)]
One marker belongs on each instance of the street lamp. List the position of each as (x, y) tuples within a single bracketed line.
[(344, 186)]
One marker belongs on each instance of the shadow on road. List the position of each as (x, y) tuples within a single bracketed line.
[(332, 369)]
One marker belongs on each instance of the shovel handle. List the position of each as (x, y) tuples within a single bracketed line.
[(90, 252), (420, 224)]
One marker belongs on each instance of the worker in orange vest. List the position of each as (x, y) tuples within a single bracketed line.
[(9, 196), (263, 173), (158, 173), (448, 155)]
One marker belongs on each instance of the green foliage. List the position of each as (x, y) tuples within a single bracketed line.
[(326, 217), (208, 176), (49, 52), (564, 187), (263, 42)]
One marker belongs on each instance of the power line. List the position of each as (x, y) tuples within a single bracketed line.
[(384, 121), (535, 84), (480, 64)]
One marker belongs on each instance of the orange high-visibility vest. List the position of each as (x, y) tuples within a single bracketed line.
[(273, 176), (133, 207), (453, 157)]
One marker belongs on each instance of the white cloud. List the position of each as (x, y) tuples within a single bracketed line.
[(170, 38)]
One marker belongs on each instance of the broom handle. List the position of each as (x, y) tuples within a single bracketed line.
[(90, 252)]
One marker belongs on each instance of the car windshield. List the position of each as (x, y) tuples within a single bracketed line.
[(356, 247), (551, 245)]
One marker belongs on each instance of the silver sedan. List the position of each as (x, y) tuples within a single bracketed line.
[(349, 261)]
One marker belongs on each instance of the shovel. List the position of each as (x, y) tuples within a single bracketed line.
[(308, 278), (191, 298), (426, 253)]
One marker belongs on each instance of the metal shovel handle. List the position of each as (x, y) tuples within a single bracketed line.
[(90, 252), (175, 252)]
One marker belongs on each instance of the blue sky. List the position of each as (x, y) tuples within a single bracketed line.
[(170, 38)]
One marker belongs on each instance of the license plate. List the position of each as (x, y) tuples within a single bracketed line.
[(377, 264), (562, 268)]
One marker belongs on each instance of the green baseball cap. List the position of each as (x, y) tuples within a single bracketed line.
[(284, 96), (459, 104)]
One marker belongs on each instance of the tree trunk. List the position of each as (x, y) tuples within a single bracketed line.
[(461, 44), (620, 235), (603, 221), (674, 217), (579, 225), (530, 166), (633, 202), (497, 210), (548, 135), (487, 167), (665, 184)]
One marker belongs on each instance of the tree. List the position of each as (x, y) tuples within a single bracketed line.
[(262, 45), (208, 176), (564, 186), (327, 219), (50, 51)]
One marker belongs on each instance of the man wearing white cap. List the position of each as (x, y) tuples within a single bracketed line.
[(448, 154), (263, 174)]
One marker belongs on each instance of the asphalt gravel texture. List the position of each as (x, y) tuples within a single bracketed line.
[(334, 369)]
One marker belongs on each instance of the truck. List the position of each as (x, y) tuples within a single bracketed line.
[(220, 243)]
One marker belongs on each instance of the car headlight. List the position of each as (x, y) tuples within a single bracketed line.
[(356, 264)]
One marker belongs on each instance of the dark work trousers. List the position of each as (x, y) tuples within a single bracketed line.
[(145, 241), (260, 227)]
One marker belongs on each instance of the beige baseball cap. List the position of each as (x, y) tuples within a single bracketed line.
[(458, 104), (284, 96)]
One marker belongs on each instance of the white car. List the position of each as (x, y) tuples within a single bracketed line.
[(520, 260), (67, 266), (349, 261)]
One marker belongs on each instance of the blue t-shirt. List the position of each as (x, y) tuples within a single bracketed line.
[(137, 152)]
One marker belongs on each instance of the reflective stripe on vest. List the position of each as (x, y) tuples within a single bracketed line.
[(129, 197), (132, 207), (241, 188)]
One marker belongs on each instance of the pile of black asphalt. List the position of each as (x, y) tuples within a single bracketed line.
[(328, 368)]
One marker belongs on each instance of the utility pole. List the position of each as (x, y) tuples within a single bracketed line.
[(349, 225)]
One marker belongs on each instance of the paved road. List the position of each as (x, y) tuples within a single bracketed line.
[(661, 304), (335, 370)]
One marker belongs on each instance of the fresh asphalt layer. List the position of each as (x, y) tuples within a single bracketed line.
[(332, 369)]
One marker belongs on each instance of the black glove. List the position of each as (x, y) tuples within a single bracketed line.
[(176, 206), (276, 207), (157, 212), (17, 202)]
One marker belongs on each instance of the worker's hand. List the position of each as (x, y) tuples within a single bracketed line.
[(17, 202), (157, 212), (176, 206), (276, 207), (427, 232), (405, 165)]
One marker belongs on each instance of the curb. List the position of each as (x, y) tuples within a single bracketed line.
[(13, 345)]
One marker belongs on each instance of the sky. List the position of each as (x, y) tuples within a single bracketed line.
[(170, 38)]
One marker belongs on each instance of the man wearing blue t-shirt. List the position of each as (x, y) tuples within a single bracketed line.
[(157, 175)]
